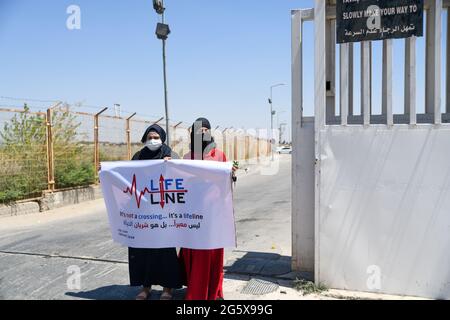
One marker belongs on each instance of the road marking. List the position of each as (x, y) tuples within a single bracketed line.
[(58, 256)]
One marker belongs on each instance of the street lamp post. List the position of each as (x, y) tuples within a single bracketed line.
[(162, 32), (272, 113)]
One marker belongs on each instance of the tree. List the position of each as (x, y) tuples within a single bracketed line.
[(24, 129), (24, 155)]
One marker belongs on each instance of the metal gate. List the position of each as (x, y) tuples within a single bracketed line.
[(371, 193)]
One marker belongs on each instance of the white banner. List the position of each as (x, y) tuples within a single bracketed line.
[(165, 204)]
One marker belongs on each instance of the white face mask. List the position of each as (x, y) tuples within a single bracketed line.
[(154, 145)]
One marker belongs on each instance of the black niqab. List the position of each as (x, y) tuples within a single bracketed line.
[(206, 140)]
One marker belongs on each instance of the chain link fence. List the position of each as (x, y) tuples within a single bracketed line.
[(23, 155), (62, 148)]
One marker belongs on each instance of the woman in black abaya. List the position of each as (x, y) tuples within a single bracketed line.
[(150, 267)]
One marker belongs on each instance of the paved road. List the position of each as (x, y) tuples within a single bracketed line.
[(38, 253)]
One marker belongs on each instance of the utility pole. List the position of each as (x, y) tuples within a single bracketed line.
[(272, 113), (162, 32)]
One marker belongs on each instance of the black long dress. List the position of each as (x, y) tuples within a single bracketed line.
[(149, 267)]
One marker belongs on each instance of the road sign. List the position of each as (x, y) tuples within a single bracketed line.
[(364, 20)]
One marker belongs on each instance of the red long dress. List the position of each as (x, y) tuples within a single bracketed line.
[(203, 269)]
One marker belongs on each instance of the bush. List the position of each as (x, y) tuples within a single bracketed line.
[(12, 191), (74, 174), (23, 162)]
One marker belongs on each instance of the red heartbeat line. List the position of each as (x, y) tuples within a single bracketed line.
[(138, 197)]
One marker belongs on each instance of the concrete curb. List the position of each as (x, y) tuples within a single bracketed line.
[(50, 201), (17, 209)]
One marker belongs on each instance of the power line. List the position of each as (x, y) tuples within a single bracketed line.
[(28, 99)]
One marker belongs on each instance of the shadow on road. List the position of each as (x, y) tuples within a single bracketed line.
[(120, 292), (112, 292), (260, 263)]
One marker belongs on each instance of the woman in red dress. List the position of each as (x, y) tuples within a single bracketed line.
[(203, 269)]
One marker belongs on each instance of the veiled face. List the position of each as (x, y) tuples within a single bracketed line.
[(153, 136), (202, 130)]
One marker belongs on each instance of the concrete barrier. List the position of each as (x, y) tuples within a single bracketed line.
[(50, 201), (17, 209), (60, 199)]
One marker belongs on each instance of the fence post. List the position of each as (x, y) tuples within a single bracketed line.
[(129, 136), (247, 148), (96, 145), (50, 156), (257, 149), (174, 136), (189, 148), (224, 147), (236, 148)]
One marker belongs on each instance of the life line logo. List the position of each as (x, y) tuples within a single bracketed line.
[(169, 191)]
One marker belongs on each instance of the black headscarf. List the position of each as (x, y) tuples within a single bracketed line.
[(161, 153), (158, 130), (206, 139)]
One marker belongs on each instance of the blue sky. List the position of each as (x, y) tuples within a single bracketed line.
[(222, 57)]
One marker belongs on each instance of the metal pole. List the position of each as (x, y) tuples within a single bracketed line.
[(271, 118), (96, 148), (165, 86), (257, 149), (96, 145), (247, 148), (159, 120), (50, 157), (224, 147), (271, 122), (50, 150), (129, 137), (236, 148)]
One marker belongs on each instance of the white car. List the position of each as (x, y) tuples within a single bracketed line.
[(285, 150)]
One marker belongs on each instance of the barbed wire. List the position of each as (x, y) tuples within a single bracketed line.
[(29, 99), (80, 105)]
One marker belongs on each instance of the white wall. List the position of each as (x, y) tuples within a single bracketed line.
[(384, 201)]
